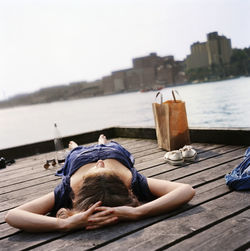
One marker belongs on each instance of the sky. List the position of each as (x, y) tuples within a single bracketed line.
[(52, 42)]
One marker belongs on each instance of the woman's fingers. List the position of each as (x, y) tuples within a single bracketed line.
[(104, 213), (103, 208), (98, 219), (92, 209), (108, 221)]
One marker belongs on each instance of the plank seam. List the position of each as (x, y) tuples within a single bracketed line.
[(37, 178), (200, 230), (171, 214), (196, 162), (211, 167), (244, 247), (157, 221)]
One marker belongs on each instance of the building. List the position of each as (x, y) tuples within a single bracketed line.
[(148, 72), (219, 49), (216, 51)]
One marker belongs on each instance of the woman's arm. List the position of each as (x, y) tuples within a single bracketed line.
[(170, 196), (31, 216)]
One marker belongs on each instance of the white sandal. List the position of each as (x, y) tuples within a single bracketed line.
[(174, 158), (188, 153)]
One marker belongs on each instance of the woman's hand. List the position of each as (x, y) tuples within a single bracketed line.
[(110, 215), (80, 220)]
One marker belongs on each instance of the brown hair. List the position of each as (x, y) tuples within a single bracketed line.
[(107, 188)]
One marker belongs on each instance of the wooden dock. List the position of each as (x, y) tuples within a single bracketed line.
[(216, 218)]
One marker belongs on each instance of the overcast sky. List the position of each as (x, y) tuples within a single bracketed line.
[(53, 42)]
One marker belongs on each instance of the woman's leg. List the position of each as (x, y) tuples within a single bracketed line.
[(102, 139)]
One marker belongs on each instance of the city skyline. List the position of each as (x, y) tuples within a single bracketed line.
[(46, 44)]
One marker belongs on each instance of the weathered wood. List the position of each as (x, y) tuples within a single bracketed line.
[(17, 198), (48, 146), (183, 172), (174, 173), (203, 193), (28, 184), (193, 172), (234, 136), (42, 174), (169, 231), (157, 159), (149, 236), (199, 198), (230, 234), (209, 208), (209, 175), (230, 136)]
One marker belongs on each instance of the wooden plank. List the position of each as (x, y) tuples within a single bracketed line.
[(26, 177), (237, 136), (25, 170), (44, 188), (157, 159), (207, 189), (28, 188), (196, 179), (21, 180), (203, 193), (14, 199), (10, 197), (29, 164), (173, 173), (34, 165), (31, 160), (181, 173), (209, 175), (28, 184), (6, 231), (175, 228), (229, 136), (230, 234), (148, 236), (48, 146), (17, 198)]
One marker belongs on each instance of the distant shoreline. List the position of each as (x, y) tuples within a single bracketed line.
[(16, 102)]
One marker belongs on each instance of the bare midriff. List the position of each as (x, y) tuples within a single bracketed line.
[(112, 166)]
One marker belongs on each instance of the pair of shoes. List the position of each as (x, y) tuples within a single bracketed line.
[(177, 157)]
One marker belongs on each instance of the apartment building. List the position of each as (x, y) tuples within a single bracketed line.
[(216, 51)]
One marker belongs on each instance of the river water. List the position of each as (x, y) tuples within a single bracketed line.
[(214, 104)]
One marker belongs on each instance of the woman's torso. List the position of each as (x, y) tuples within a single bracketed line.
[(111, 166), (81, 159)]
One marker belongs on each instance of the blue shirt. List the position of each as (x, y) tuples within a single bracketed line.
[(83, 155)]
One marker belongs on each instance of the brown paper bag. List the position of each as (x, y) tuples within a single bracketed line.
[(171, 124)]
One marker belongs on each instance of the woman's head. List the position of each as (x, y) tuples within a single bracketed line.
[(107, 188)]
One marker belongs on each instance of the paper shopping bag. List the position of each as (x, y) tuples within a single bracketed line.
[(171, 124)]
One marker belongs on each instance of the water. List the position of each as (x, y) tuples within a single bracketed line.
[(214, 104)]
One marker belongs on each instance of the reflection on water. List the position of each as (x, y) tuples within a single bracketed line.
[(217, 104)]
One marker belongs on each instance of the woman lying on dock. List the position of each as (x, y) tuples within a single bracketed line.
[(100, 186)]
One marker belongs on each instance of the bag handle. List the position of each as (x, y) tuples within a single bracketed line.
[(173, 94), (175, 91), (161, 98)]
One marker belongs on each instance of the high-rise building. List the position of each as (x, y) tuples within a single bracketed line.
[(216, 51)]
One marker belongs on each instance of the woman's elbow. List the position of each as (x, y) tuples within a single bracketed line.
[(7, 217), (189, 191), (10, 216)]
